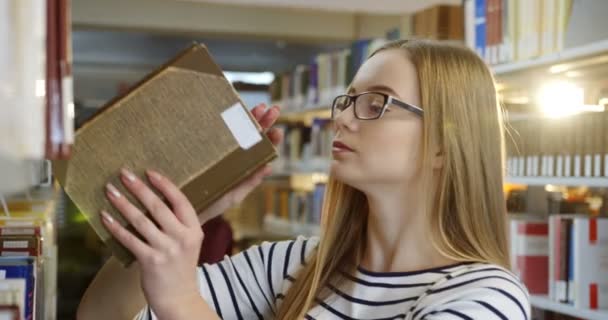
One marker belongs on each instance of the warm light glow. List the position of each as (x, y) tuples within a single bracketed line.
[(574, 74), (560, 99)]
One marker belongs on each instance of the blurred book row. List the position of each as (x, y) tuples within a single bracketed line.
[(327, 75), (28, 256), (509, 30), (574, 146), (561, 254)]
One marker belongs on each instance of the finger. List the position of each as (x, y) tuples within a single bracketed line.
[(270, 117), (142, 224), (155, 206), (125, 237), (275, 135), (258, 111), (181, 205)]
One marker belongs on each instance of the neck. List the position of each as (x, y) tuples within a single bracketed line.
[(398, 236)]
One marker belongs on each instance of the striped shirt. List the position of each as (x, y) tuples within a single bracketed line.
[(253, 283)]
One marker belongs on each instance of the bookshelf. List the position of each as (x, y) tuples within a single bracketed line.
[(32, 213), (543, 302), (567, 151), (595, 182), (595, 53)]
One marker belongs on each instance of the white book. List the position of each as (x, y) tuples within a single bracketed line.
[(549, 18), (13, 291), (590, 249), (469, 23), (22, 61)]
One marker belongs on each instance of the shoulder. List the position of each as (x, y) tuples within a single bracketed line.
[(480, 289), (287, 254)]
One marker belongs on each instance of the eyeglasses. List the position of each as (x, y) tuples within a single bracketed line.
[(369, 105)]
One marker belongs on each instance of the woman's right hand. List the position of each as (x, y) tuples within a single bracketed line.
[(266, 118)]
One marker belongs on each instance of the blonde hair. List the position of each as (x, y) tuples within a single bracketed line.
[(467, 212)]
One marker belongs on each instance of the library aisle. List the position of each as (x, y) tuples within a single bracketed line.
[(88, 87)]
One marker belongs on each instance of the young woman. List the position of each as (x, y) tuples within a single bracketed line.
[(414, 221)]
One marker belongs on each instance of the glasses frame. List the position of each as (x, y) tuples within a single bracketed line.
[(388, 100)]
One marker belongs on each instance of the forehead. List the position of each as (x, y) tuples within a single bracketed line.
[(390, 68)]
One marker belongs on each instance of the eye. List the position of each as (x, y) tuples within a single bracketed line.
[(376, 106)]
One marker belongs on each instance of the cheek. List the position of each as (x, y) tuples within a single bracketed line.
[(394, 152)]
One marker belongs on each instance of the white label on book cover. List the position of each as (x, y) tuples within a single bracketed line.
[(588, 161), (15, 254), (2, 274), (597, 165), (529, 245), (561, 290), (68, 111), (560, 166), (577, 165), (241, 126), (567, 166), (606, 165), (15, 244), (17, 231), (522, 166), (550, 166)]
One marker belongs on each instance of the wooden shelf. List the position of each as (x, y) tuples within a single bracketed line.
[(543, 302), (564, 181), (578, 54), (306, 116)]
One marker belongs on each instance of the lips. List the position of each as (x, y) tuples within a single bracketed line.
[(340, 146)]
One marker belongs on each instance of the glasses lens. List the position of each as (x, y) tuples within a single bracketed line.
[(370, 105), (340, 104)]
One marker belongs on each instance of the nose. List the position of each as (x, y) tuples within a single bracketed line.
[(345, 119)]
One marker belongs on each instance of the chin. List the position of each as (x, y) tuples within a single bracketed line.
[(346, 174)]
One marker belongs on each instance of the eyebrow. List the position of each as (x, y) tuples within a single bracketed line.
[(382, 88)]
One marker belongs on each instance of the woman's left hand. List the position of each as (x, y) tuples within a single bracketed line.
[(168, 253)]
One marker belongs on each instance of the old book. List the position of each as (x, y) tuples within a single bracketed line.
[(184, 120)]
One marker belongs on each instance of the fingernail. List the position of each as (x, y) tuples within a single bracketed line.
[(128, 174), (113, 191), (155, 176), (106, 216)]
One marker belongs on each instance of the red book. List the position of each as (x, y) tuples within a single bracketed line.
[(54, 114), (533, 255)]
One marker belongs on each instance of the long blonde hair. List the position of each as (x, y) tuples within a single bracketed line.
[(467, 211)]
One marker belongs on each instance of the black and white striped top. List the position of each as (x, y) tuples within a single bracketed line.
[(252, 284)]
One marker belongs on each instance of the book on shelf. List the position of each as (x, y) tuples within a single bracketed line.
[(22, 122), (185, 120), (578, 245), (294, 205), (440, 22), (510, 30), (13, 294), (560, 250), (305, 148), (530, 252), (28, 252), (24, 269), (589, 267), (59, 97)]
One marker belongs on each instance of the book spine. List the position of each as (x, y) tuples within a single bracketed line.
[(533, 255), (480, 27)]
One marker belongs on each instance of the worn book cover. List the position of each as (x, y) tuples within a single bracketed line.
[(184, 120)]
